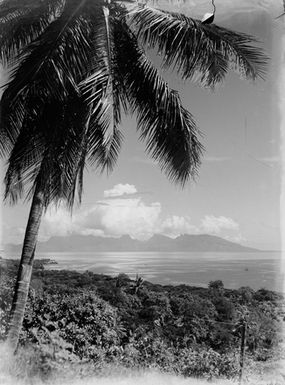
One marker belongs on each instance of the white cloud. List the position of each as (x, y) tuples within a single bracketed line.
[(214, 225), (235, 238), (119, 215), (123, 216), (173, 226), (56, 222), (119, 190)]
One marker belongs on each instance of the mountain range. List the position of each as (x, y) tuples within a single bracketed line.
[(90, 243)]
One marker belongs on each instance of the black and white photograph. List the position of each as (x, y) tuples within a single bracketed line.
[(142, 149)]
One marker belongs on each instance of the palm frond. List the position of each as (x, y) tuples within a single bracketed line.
[(169, 130), (76, 188), (65, 141), (55, 60), (11, 117), (23, 23), (102, 88), (197, 48), (49, 141), (99, 155), (109, 98), (103, 143), (48, 71), (61, 117), (25, 158), (80, 137), (11, 9)]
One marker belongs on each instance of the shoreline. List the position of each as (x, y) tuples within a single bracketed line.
[(49, 266)]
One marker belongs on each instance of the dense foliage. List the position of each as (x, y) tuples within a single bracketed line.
[(81, 318)]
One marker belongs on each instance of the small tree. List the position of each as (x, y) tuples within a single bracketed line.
[(217, 287)]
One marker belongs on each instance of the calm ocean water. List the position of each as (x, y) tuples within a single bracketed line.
[(257, 270)]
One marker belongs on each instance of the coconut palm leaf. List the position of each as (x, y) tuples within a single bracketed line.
[(56, 144), (11, 119), (101, 152), (169, 130), (48, 139), (99, 155), (25, 157), (23, 23), (45, 63), (102, 89), (12, 9), (193, 47), (110, 94), (48, 71), (93, 150)]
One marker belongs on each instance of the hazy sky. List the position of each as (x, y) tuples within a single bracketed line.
[(237, 193)]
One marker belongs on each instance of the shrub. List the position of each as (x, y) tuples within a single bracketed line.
[(84, 321)]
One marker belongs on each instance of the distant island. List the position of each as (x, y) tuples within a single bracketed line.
[(158, 243)]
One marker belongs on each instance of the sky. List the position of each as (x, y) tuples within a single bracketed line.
[(237, 193)]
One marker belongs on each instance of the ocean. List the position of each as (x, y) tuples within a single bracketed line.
[(257, 270)]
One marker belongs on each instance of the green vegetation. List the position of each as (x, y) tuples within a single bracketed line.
[(87, 322)]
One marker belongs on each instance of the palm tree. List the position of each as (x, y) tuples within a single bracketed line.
[(74, 66)]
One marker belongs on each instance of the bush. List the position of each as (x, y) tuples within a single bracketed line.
[(83, 321), (6, 295), (207, 364)]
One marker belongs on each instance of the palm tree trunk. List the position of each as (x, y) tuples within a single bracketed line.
[(25, 270)]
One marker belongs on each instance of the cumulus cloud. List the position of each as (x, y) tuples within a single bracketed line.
[(118, 215), (237, 238), (57, 221), (122, 216), (173, 226), (214, 225), (119, 190)]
